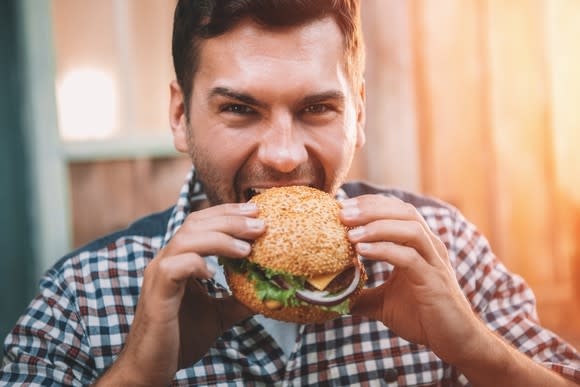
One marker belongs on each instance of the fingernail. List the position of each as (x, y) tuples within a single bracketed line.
[(255, 224), (242, 246), (350, 212), (348, 202), (363, 246), (356, 232), (248, 207)]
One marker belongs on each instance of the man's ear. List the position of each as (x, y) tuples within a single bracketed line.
[(361, 116), (178, 118)]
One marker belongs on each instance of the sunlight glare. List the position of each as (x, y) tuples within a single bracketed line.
[(87, 103)]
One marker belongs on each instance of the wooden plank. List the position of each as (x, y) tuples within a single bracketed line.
[(563, 29), (456, 155), (560, 318), (148, 66), (121, 148), (87, 70), (79, 37), (391, 156), (520, 122), (108, 195)]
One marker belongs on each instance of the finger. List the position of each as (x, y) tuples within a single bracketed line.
[(441, 249), (403, 257), (242, 227), (228, 209), (223, 235), (367, 208), (364, 209), (170, 274), (404, 232), (208, 243)]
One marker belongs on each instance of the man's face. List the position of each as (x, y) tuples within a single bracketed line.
[(270, 107)]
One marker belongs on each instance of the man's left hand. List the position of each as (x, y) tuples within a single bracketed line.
[(421, 300)]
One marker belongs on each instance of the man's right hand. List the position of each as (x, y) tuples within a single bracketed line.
[(176, 321)]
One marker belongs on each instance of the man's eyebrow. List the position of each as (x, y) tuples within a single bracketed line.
[(225, 92), (331, 95)]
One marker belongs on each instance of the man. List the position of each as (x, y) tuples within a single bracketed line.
[(270, 93)]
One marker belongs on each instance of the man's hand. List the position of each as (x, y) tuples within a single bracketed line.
[(176, 321), (421, 301)]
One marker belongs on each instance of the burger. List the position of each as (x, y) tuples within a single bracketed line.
[(303, 269)]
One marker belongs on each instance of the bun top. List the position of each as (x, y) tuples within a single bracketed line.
[(303, 233)]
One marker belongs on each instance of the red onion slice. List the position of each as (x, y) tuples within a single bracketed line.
[(279, 281), (320, 297)]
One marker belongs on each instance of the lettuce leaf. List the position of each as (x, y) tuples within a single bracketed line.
[(342, 308), (267, 290)]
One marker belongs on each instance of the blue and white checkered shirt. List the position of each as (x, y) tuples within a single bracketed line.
[(76, 327)]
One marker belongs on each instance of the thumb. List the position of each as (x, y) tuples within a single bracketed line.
[(369, 303), (231, 311)]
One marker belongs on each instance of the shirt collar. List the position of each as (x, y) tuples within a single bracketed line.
[(190, 192)]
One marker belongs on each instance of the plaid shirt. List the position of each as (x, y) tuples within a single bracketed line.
[(75, 328)]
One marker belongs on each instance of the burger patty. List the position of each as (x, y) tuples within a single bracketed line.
[(339, 283)]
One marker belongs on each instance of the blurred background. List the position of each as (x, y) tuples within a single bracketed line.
[(475, 102)]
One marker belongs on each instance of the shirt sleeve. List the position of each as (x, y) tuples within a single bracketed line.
[(506, 303), (48, 346)]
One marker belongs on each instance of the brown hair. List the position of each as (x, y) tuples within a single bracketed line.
[(203, 19)]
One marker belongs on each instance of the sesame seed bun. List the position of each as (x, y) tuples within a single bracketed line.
[(304, 235)]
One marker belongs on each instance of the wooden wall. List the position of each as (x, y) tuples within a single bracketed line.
[(472, 101), (107, 196), (490, 91)]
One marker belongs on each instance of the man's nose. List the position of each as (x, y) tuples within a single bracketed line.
[(282, 148)]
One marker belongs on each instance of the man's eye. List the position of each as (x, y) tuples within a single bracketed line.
[(237, 109), (317, 109)]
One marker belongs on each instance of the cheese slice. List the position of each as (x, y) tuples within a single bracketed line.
[(321, 281)]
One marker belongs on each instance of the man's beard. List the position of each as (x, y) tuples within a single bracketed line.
[(214, 183), (221, 189)]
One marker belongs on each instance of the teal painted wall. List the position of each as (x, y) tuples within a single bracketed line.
[(17, 278)]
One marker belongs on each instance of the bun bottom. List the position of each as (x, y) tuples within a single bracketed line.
[(243, 290)]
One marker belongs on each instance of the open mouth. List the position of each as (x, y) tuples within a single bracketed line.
[(251, 192)]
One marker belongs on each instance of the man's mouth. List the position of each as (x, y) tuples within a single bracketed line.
[(251, 192)]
